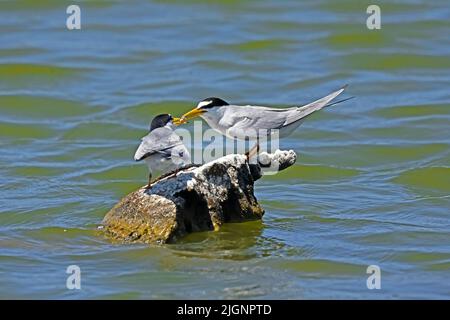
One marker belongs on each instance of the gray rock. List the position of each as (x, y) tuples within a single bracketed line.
[(193, 199)]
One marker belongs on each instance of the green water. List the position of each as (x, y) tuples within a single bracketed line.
[(371, 184)]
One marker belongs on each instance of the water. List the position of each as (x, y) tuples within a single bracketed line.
[(371, 185)]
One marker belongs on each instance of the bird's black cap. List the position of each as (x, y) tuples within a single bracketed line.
[(160, 121), (213, 102)]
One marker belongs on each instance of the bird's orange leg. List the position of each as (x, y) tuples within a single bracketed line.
[(253, 151)]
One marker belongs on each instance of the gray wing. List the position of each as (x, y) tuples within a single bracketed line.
[(180, 155), (302, 112), (160, 140), (255, 123), (246, 120)]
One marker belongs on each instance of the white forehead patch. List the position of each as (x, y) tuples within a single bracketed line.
[(203, 103)]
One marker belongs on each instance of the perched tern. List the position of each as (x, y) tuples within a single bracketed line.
[(249, 122), (162, 149)]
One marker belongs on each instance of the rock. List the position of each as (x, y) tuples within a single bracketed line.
[(193, 199)]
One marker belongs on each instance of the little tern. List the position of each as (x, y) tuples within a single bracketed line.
[(162, 149), (249, 122)]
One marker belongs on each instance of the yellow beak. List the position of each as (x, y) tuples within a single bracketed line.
[(191, 114)]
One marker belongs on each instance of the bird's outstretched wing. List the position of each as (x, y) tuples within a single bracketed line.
[(160, 140)]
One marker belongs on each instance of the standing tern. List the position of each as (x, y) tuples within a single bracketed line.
[(249, 122), (162, 149)]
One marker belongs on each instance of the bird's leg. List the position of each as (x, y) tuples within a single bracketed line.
[(149, 185), (253, 151), (175, 171)]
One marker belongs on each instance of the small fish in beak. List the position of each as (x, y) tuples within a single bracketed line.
[(178, 121)]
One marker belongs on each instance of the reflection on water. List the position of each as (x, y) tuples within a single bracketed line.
[(371, 184)]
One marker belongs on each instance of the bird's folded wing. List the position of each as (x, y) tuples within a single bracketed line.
[(244, 119), (253, 116), (160, 140), (256, 124), (304, 111)]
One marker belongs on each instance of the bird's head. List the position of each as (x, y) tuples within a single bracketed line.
[(163, 120), (206, 105)]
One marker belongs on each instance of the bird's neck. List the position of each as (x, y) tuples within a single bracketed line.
[(213, 115), (170, 126)]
